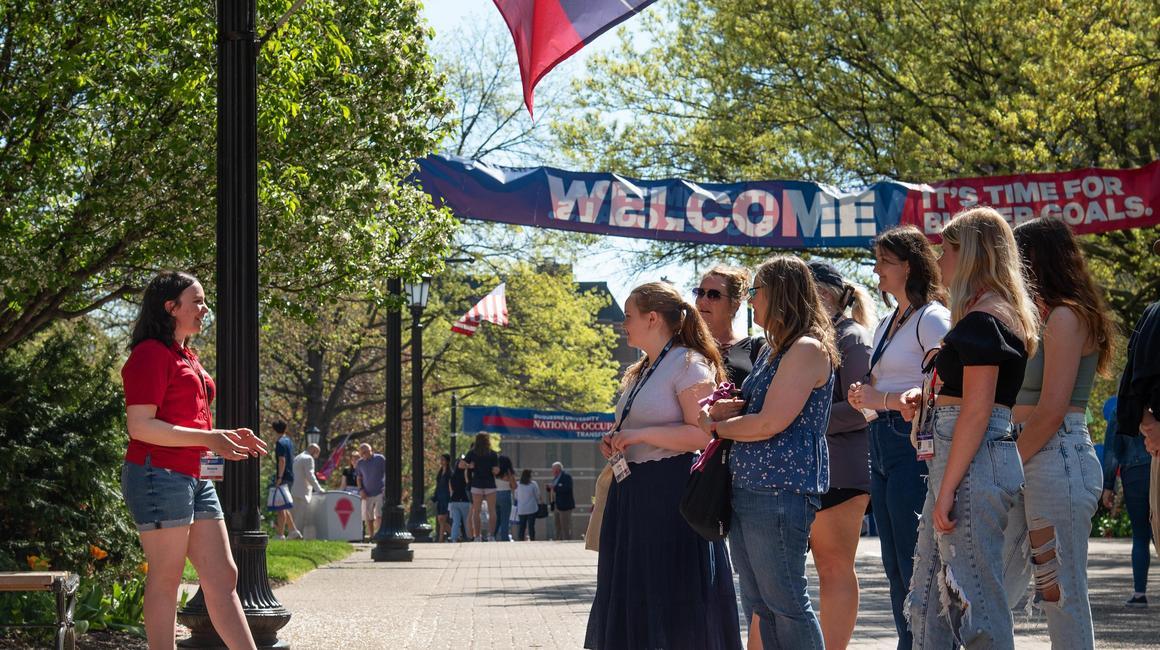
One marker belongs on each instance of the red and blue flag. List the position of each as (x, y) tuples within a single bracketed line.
[(548, 31)]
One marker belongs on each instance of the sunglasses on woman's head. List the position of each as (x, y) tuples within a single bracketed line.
[(711, 294)]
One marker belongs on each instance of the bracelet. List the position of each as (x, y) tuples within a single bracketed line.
[(885, 396)]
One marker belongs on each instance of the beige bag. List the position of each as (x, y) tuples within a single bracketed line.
[(1154, 498), (592, 535)]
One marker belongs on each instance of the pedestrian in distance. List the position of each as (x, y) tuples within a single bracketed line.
[(177, 513), (371, 473), (527, 505)]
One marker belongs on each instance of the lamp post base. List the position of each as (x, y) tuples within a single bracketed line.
[(392, 540)]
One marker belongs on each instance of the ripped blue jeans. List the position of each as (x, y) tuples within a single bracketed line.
[(1064, 481), (956, 594)]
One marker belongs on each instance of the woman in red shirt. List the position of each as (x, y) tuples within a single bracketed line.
[(171, 435)]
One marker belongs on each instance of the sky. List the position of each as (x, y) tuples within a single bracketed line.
[(607, 262)]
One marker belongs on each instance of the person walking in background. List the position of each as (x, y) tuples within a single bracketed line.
[(505, 482), (957, 592), (1048, 529), (442, 499), (284, 476), (718, 298), (562, 499), (838, 524), (482, 465), (168, 397), (371, 473), (459, 506), (779, 460), (658, 583), (527, 505), (908, 273), (350, 473), (1127, 455), (307, 484)]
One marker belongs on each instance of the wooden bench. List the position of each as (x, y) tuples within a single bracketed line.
[(63, 584)]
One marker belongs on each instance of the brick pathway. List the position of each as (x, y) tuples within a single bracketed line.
[(537, 595)]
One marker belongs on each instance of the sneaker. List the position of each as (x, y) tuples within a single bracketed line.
[(1137, 601), (297, 534), (282, 537)]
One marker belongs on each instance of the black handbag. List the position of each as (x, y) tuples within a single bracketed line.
[(707, 504), (542, 511)]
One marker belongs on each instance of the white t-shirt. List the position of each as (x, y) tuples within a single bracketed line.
[(527, 498), (900, 366), (657, 403)]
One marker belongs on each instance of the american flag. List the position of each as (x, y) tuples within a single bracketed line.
[(492, 308)]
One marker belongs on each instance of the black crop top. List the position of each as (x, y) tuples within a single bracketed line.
[(980, 339)]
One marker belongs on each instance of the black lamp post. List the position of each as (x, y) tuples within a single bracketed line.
[(418, 292), (313, 436), (392, 541), (237, 326)]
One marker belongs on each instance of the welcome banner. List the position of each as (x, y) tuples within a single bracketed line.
[(530, 424), (779, 213)]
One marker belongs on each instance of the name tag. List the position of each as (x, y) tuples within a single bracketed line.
[(620, 469), (213, 467)]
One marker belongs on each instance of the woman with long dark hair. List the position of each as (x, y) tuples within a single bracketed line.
[(658, 583), (442, 499), (482, 465), (908, 273), (780, 459), (171, 437), (1047, 532), (957, 595)]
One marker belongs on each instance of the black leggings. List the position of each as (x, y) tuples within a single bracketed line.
[(528, 525)]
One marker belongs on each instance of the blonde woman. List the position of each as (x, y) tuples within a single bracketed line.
[(780, 459), (957, 595), (658, 583)]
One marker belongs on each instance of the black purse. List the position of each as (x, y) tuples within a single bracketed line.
[(707, 504), (542, 511)]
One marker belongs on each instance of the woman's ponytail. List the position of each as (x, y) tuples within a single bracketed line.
[(862, 310)]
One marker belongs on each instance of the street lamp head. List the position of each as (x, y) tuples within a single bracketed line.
[(313, 436), (419, 291)]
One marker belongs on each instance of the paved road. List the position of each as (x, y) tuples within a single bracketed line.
[(537, 595)]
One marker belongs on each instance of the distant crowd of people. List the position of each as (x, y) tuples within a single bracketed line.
[(480, 498)]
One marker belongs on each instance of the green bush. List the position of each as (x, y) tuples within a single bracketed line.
[(63, 435)]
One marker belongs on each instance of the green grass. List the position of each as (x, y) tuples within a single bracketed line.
[(289, 560)]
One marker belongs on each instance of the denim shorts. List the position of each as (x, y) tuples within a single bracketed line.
[(162, 498)]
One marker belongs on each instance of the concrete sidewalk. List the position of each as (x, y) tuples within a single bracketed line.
[(537, 595)]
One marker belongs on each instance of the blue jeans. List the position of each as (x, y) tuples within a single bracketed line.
[(459, 511), (957, 596), (503, 514), (1062, 490), (897, 490), (768, 540), (1136, 481), (528, 527)]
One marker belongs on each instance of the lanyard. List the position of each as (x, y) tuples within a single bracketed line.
[(888, 336), (198, 372), (640, 384)]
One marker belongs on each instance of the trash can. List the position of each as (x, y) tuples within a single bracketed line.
[(337, 516)]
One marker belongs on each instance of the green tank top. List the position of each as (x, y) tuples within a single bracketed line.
[(1033, 380)]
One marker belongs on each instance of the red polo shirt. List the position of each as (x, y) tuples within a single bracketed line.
[(168, 378)]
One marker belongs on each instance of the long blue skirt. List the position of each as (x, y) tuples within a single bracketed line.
[(659, 585)]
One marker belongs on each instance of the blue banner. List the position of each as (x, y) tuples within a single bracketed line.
[(779, 213), (531, 424)]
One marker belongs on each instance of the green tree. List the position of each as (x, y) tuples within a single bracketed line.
[(107, 143), (849, 92)]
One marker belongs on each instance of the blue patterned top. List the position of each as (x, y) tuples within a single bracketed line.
[(797, 459)]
